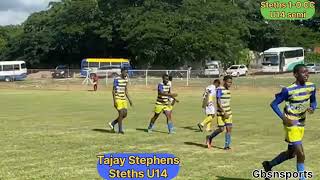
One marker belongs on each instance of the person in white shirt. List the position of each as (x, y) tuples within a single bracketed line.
[(208, 105)]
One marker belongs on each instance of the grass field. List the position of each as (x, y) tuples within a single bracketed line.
[(57, 134)]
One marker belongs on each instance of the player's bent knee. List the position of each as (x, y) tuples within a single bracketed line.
[(229, 129), (291, 155), (156, 115), (123, 113), (221, 129)]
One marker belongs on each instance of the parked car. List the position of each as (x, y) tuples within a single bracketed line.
[(237, 70), (213, 68), (61, 71), (313, 67)]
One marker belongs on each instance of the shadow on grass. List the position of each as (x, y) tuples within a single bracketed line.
[(201, 145), (192, 128), (229, 178), (104, 131), (153, 131)]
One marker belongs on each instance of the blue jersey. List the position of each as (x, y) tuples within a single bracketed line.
[(298, 98)]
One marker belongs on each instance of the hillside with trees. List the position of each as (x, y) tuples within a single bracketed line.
[(170, 33)]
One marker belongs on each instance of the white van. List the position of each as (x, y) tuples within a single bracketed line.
[(13, 70), (213, 68)]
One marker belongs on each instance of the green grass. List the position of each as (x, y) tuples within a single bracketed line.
[(57, 134)]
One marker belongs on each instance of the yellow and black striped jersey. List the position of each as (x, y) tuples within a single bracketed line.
[(224, 96), (120, 85), (297, 100), (162, 88)]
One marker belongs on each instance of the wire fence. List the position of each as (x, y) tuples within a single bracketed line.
[(72, 79)]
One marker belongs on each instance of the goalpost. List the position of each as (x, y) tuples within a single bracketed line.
[(147, 77), (87, 80)]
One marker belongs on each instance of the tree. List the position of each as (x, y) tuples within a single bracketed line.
[(312, 57), (63, 34), (245, 57), (7, 34), (166, 33)]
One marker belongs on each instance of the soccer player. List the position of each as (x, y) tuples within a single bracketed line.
[(224, 114), (95, 81), (162, 104), (120, 93), (208, 105), (299, 97)]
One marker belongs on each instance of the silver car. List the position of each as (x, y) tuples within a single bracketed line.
[(313, 67)]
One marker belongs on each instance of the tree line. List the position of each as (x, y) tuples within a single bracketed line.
[(151, 33)]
